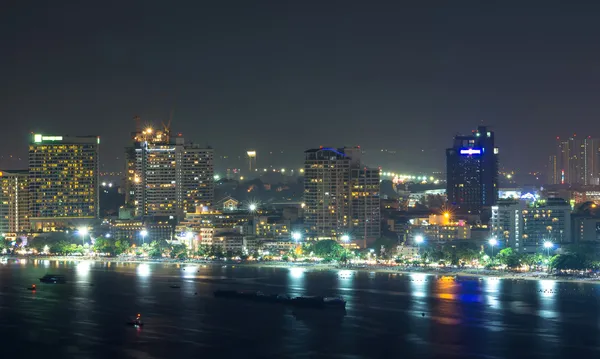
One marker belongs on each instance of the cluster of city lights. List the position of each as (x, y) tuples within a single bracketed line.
[(397, 177)]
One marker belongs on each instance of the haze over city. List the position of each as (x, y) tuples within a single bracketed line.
[(286, 76)]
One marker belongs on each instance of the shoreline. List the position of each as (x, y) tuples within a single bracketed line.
[(456, 273)]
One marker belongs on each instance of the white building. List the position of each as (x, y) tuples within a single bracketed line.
[(172, 178), (525, 226)]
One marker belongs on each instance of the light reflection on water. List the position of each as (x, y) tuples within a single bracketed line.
[(418, 284), (412, 315), (297, 272), (143, 270), (492, 288), (189, 271), (83, 269)]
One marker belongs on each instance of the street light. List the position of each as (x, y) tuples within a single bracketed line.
[(345, 238), (418, 240), (82, 231), (548, 245), (189, 235), (296, 236), (493, 242), (143, 233), (252, 207)]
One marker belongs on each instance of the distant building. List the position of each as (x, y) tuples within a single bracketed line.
[(472, 171), (227, 204), (341, 196), (577, 161), (14, 202), (63, 181), (526, 225)]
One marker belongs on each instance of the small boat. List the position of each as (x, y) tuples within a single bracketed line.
[(137, 322), (53, 278), (32, 287), (175, 286)]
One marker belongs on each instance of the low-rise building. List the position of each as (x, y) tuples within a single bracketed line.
[(277, 247), (141, 231)]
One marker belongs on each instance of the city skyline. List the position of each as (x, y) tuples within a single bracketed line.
[(396, 76)]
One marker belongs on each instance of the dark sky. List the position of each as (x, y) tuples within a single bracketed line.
[(289, 75)]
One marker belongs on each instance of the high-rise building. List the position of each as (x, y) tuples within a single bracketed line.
[(577, 161), (341, 196), (552, 170), (63, 180), (151, 136), (195, 177), (168, 177), (14, 202), (472, 171), (365, 210)]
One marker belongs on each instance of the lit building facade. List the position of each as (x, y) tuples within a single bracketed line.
[(266, 227), (365, 205), (170, 177), (526, 225), (195, 176), (14, 202), (341, 197), (440, 228), (63, 181), (204, 225), (134, 230), (472, 171)]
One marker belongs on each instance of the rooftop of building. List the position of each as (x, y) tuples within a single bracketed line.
[(13, 172)]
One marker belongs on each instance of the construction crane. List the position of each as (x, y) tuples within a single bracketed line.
[(138, 122)]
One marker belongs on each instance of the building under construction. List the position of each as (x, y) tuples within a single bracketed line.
[(167, 176)]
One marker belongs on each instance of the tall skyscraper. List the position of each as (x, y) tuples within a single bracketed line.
[(577, 161), (365, 206), (472, 171), (195, 176), (63, 180), (341, 196), (168, 177), (14, 202)]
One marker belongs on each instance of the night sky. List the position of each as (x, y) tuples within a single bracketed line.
[(290, 75)]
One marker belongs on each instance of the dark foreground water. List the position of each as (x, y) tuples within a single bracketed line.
[(388, 315)]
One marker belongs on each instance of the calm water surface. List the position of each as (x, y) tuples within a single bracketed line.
[(388, 315)]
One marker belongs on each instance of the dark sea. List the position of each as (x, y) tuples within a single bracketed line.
[(387, 316)]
